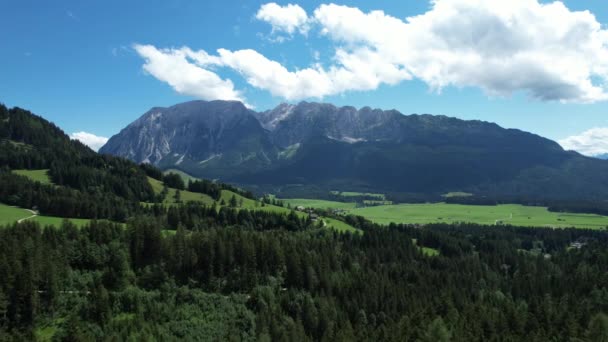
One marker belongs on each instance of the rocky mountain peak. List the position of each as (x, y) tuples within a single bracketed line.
[(194, 130), (271, 118)]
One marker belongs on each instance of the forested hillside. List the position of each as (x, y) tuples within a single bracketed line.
[(85, 184), (243, 281)]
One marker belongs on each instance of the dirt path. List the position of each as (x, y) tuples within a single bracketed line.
[(34, 214)]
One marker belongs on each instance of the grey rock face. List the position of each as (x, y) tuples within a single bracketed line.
[(292, 124), (344, 147), (192, 131)]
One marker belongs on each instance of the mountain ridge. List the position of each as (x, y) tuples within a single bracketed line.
[(345, 148)]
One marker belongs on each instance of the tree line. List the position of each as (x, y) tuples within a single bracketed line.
[(258, 280)]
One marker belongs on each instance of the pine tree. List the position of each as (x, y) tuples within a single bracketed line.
[(233, 202)]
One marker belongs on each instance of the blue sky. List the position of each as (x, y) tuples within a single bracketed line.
[(74, 62)]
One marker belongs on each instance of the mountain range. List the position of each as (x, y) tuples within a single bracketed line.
[(296, 149)]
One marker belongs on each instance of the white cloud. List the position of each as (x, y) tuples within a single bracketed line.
[(545, 50), (356, 72), (93, 141), (501, 47), (286, 19), (592, 142), (178, 68)]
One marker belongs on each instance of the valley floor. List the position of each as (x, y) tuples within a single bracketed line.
[(507, 214)]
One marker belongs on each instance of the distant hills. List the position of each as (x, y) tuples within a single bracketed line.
[(308, 147)]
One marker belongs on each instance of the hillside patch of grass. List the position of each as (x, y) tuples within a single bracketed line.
[(35, 175), (245, 203), (56, 221), (10, 215), (185, 195), (340, 226)]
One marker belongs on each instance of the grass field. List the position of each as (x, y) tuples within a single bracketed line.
[(56, 221), (250, 204), (321, 204), (9, 215), (184, 195), (340, 226), (513, 214), (207, 200), (12, 214), (35, 175)]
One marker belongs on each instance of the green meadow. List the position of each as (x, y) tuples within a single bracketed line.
[(56, 221), (513, 214), (340, 226), (185, 195), (9, 215), (35, 175)]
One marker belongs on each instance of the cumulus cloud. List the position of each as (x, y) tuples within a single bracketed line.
[(93, 141), (501, 47), (542, 49), (592, 142), (288, 19), (178, 68)]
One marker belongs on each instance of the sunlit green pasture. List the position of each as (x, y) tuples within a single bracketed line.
[(513, 214), (35, 175), (9, 215)]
